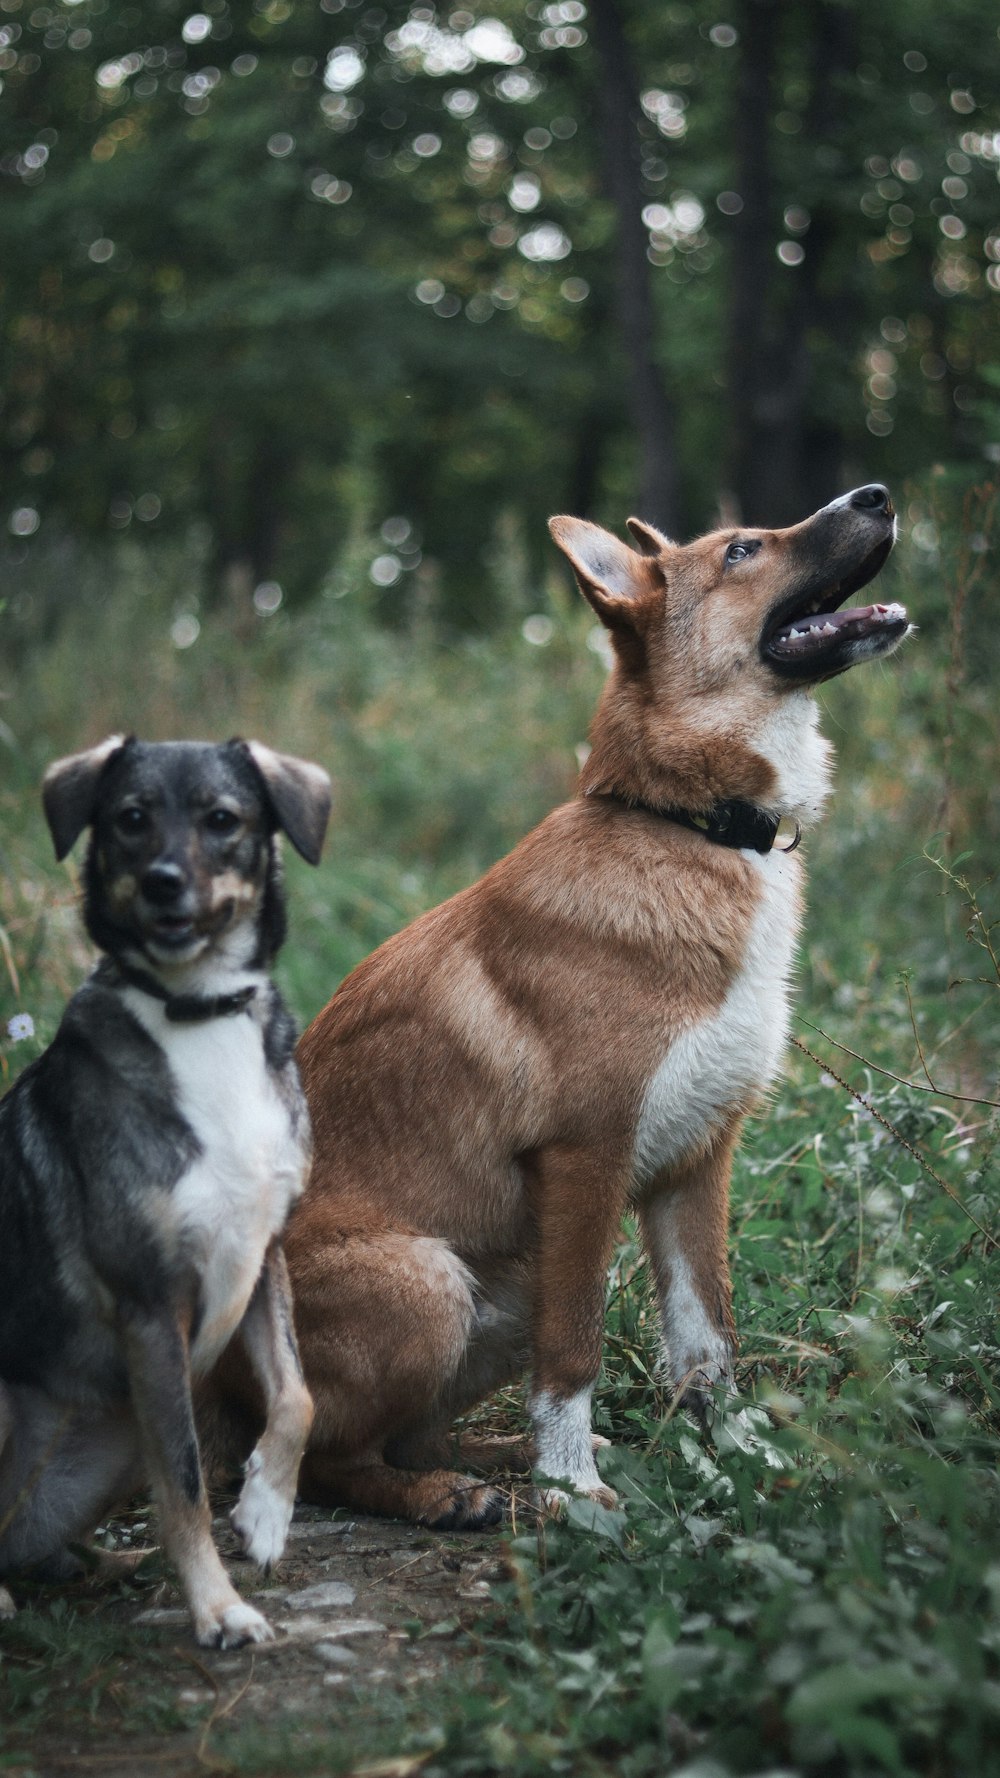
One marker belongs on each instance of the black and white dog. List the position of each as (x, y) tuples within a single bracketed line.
[(148, 1162)]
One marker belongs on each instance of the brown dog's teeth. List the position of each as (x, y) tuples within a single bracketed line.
[(798, 637)]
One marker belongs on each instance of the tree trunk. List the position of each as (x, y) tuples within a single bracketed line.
[(751, 361), (244, 482), (784, 455), (649, 406), (835, 313)]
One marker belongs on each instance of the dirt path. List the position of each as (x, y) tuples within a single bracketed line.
[(365, 1609)]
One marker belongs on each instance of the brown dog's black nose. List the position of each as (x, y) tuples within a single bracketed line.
[(162, 884), (873, 495)]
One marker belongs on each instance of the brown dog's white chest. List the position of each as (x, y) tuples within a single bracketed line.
[(720, 1064)]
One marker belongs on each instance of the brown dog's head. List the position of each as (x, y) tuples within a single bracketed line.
[(711, 637), (182, 859), (780, 593)]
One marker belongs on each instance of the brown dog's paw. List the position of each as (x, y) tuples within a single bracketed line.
[(470, 1507), (698, 1392), (554, 1501)]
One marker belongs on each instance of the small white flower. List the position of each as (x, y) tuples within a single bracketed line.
[(20, 1026)]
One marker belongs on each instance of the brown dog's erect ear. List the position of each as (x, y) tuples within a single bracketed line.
[(614, 578), (69, 791), (651, 541), (299, 794)]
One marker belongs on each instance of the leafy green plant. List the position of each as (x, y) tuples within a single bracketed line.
[(822, 1597)]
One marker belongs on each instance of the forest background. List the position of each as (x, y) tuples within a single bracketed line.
[(312, 312)]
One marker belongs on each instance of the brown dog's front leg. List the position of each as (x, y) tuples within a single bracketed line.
[(685, 1221), (156, 1354), (263, 1512), (577, 1200)]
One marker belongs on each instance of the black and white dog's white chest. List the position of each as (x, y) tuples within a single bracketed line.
[(248, 1120)]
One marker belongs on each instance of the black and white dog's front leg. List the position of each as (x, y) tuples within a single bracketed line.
[(156, 1353), (263, 1512)]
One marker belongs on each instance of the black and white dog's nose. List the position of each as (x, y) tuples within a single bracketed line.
[(873, 496), (163, 884)]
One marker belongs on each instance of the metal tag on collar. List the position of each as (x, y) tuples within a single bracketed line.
[(781, 833)]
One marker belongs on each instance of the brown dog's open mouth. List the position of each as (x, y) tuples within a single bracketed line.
[(811, 636)]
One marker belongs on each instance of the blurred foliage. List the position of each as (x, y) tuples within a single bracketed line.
[(334, 283), (445, 748)]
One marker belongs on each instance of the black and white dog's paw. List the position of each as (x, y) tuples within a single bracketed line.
[(232, 1627), (261, 1516)]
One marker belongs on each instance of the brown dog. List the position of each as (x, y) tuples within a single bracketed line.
[(581, 1031)]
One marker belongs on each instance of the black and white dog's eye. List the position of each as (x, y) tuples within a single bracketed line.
[(222, 821), (737, 552), (132, 821)]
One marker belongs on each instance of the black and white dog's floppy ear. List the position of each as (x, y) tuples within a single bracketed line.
[(299, 794), (69, 791)]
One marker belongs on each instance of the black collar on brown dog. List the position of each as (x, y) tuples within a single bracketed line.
[(182, 1009), (743, 826)]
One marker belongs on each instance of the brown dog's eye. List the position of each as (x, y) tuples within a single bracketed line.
[(737, 552), (222, 821)]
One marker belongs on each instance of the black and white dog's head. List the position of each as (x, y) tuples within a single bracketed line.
[(182, 864)]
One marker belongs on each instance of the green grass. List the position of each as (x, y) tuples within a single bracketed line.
[(826, 1601), (72, 1668), (829, 1600)]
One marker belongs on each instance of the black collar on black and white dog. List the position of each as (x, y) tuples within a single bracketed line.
[(180, 1009)]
